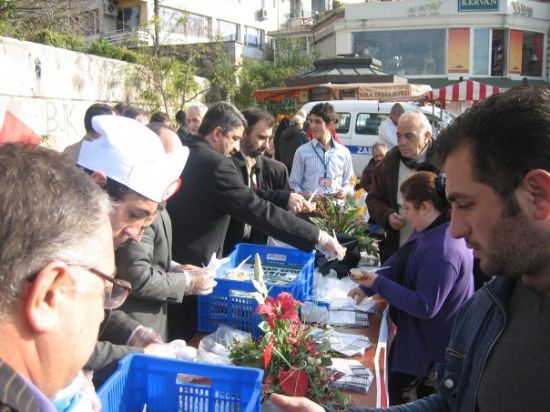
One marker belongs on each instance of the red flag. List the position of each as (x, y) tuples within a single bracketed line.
[(15, 131)]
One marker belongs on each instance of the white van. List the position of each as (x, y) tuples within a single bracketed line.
[(358, 122)]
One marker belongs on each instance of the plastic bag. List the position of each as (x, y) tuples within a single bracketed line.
[(215, 348)]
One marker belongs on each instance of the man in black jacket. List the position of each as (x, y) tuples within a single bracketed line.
[(267, 177), (212, 192)]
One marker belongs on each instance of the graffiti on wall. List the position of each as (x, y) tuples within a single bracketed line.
[(64, 119)]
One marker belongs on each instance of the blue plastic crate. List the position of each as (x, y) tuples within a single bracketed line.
[(226, 305), (172, 385)]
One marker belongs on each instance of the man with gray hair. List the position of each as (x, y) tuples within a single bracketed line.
[(56, 267), (384, 202), (194, 116)]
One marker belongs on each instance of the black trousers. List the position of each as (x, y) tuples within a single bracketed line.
[(404, 388)]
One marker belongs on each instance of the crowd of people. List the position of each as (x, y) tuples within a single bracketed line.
[(104, 248)]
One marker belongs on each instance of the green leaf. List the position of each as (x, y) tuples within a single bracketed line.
[(326, 361), (264, 326)]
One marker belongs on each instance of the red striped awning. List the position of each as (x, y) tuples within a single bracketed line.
[(464, 91)]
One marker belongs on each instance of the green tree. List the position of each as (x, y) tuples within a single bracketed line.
[(289, 61)]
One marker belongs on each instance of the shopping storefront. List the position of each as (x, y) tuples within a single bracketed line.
[(502, 42)]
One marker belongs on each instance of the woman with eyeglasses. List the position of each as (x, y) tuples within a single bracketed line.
[(425, 282)]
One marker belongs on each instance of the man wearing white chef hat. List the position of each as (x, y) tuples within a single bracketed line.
[(130, 162)]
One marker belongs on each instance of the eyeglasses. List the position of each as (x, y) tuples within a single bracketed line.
[(114, 296)]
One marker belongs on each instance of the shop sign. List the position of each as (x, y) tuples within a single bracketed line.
[(477, 5), (426, 9), (384, 92), (522, 9)]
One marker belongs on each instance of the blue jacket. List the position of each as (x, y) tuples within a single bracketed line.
[(438, 279), (477, 328)]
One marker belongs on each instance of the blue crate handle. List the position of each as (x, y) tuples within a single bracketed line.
[(142, 370)]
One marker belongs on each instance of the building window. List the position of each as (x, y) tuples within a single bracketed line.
[(481, 52), (228, 31), (532, 54), (253, 37), (172, 20), (128, 18), (197, 26), (405, 52), (194, 26), (498, 48)]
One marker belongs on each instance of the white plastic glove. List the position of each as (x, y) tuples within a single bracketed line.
[(182, 351), (142, 336), (200, 281), (163, 350), (330, 247), (177, 349)]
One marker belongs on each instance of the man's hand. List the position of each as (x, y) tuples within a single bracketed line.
[(297, 204), (292, 404), (199, 282), (143, 336), (330, 246), (396, 221)]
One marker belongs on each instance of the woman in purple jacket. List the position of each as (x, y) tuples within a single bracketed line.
[(425, 281)]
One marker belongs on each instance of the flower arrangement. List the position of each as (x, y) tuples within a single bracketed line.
[(293, 363), (346, 216)]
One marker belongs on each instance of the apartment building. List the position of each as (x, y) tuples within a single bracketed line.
[(244, 22)]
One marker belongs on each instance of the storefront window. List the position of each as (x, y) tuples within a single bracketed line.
[(405, 52), (532, 54), (498, 47), (481, 52)]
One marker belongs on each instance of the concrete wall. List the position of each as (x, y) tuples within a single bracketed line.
[(50, 89)]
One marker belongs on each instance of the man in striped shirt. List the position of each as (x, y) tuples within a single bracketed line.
[(322, 166)]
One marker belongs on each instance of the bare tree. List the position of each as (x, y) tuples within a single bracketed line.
[(65, 16)]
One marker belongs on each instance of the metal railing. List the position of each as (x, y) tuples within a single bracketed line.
[(132, 36)]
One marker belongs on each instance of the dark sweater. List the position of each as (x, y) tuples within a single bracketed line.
[(525, 386)]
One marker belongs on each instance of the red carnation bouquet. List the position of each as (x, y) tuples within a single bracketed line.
[(293, 363)]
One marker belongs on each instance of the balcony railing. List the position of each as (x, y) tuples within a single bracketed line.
[(129, 37)]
